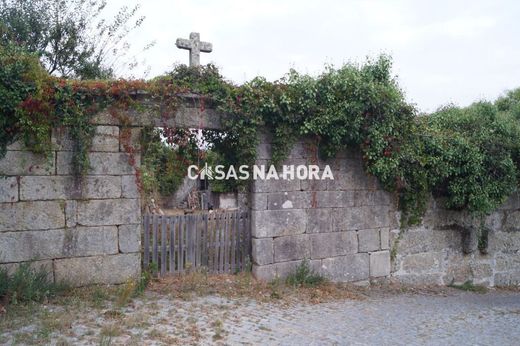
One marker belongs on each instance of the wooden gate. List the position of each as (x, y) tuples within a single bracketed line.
[(218, 241)]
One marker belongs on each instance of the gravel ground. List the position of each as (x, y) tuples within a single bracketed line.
[(453, 318)]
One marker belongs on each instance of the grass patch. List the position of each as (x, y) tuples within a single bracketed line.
[(304, 276), (469, 286), (27, 284)]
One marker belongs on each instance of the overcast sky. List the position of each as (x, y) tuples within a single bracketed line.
[(443, 51)]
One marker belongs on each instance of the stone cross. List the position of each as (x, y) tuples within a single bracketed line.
[(195, 46)]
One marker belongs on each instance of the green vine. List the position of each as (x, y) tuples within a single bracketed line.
[(468, 156)]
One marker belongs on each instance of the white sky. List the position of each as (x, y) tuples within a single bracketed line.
[(443, 51)]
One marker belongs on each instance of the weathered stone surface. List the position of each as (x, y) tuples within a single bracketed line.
[(325, 245), (507, 242), (420, 239), (384, 233), (507, 262), (346, 268), (369, 240), (313, 185), (8, 189), (38, 245), (35, 215), (319, 220), (281, 270), (372, 198), (106, 138), (507, 279), (262, 251), (512, 222), (292, 247), (108, 212), (31, 245), (379, 263), (26, 163), (422, 262), (275, 223), (71, 213), (129, 186), (187, 115), (112, 269), (349, 219), (100, 163), (259, 201), (334, 199), (351, 177), (289, 200), (65, 187), (272, 185), (130, 238), (421, 279)]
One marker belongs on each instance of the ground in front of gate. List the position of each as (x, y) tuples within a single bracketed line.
[(238, 310)]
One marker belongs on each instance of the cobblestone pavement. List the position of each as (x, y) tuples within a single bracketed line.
[(456, 318), (461, 319)]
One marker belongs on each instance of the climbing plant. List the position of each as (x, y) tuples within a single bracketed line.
[(469, 156)]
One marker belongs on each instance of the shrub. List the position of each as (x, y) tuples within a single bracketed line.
[(304, 275), (27, 284)]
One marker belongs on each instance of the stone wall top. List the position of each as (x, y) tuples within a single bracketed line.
[(194, 111)]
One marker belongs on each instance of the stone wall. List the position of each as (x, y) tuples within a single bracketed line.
[(90, 233), (432, 252), (341, 226), (349, 231)]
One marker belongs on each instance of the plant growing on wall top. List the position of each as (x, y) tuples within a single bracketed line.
[(469, 156)]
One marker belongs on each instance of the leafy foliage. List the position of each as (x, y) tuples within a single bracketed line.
[(165, 162), (469, 156), (71, 37)]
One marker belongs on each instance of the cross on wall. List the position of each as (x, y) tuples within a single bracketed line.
[(195, 46)]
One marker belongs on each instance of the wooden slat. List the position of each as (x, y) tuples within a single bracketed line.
[(205, 241), (173, 221), (233, 241), (225, 246), (163, 245), (146, 241), (221, 221), (155, 254), (180, 252), (219, 241)]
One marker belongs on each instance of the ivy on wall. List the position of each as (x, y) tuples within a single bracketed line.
[(469, 156)]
